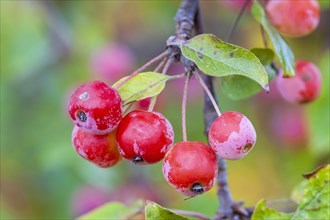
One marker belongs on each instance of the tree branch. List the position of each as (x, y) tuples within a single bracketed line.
[(188, 17)]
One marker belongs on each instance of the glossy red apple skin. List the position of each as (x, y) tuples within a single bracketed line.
[(95, 107), (190, 163), (101, 150), (145, 135)]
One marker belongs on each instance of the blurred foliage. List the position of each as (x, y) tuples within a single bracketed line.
[(114, 210), (46, 47), (313, 203)]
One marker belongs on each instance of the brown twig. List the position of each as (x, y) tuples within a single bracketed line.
[(188, 17)]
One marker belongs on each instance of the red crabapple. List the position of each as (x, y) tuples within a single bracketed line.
[(95, 107), (294, 18), (99, 149), (289, 127), (112, 62), (232, 135), (144, 103), (144, 137), (190, 167), (304, 87)]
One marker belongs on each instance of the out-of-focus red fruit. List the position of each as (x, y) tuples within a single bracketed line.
[(294, 18), (289, 127), (274, 94), (159, 105), (304, 87), (144, 103), (95, 107), (112, 62), (87, 198)]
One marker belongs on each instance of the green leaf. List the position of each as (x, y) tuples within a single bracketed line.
[(282, 50), (265, 55), (313, 197), (114, 210), (270, 72), (315, 203), (239, 87), (298, 191), (217, 58), (154, 211), (141, 86), (262, 212)]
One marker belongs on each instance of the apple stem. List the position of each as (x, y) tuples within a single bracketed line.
[(168, 64), (209, 94), (152, 104), (263, 35), (152, 61), (184, 106), (161, 64), (233, 27)]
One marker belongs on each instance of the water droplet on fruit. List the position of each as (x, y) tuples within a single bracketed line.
[(84, 96), (197, 188), (247, 147), (81, 116), (137, 160)]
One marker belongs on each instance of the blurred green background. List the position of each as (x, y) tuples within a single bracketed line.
[(46, 52)]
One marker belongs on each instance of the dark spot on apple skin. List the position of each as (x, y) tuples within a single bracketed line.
[(197, 188), (215, 53), (137, 160), (231, 54), (200, 56), (247, 147), (81, 116)]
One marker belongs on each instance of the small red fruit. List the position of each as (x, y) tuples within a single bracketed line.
[(304, 87), (144, 137), (190, 167), (112, 62), (99, 149), (294, 18), (232, 135), (95, 107)]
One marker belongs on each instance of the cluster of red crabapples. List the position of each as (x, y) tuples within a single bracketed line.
[(103, 136)]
